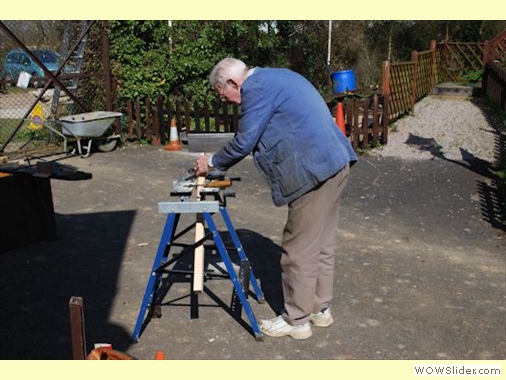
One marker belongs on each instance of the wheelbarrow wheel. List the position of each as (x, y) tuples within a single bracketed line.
[(107, 146)]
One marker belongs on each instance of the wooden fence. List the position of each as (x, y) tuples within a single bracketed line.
[(494, 84), (149, 119), (457, 59), (407, 82), (399, 87), (366, 118)]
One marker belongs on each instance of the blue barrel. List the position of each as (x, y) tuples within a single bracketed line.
[(343, 81)]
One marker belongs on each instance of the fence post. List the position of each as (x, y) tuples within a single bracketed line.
[(149, 132), (129, 114), (414, 58), (484, 80), (160, 129), (434, 73), (385, 81), (179, 120), (486, 52), (385, 92), (107, 66), (138, 117)]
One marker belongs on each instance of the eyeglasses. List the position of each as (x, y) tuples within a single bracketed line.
[(223, 90)]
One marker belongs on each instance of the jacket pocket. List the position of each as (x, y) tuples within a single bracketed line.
[(284, 167)]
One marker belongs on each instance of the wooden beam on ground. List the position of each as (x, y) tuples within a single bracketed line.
[(77, 328)]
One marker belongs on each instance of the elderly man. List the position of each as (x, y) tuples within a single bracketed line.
[(306, 160)]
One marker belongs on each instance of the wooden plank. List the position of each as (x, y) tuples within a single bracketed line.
[(161, 129), (198, 260), (356, 126), (138, 117), (148, 119), (77, 328), (207, 118), (187, 116), (365, 122), (130, 121), (375, 119), (196, 117)]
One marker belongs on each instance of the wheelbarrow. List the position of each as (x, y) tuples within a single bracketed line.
[(89, 126)]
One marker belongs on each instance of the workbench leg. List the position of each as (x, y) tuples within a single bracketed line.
[(155, 277), (233, 277), (242, 255)]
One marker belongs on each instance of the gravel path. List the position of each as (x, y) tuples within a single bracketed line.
[(449, 128)]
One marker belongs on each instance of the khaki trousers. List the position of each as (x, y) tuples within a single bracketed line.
[(308, 249)]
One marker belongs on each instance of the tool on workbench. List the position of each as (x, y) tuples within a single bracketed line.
[(194, 198), (213, 181)]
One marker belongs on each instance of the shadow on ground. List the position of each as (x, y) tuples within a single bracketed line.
[(264, 258), (37, 282), (492, 192)]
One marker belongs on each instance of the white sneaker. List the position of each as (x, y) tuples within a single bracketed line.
[(321, 319), (277, 327)]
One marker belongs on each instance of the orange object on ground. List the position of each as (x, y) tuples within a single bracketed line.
[(106, 353), (174, 143), (159, 355), (340, 118)]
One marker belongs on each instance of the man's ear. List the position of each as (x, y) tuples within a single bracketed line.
[(233, 83)]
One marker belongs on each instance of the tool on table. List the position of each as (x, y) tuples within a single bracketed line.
[(212, 183), (204, 197)]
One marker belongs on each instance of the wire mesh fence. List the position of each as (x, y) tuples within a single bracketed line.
[(49, 69)]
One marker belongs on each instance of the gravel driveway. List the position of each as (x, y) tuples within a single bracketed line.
[(453, 129)]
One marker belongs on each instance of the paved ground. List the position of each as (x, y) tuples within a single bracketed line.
[(420, 268)]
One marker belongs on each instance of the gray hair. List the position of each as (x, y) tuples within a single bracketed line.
[(228, 68)]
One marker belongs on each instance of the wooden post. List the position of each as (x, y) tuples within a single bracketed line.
[(385, 92), (385, 84), (179, 119), (385, 118), (149, 132), (486, 53), (414, 58), (162, 130), (375, 119), (434, 73), (130, 123), (77, 328), (196, 113), (138, 117), (187, 115), (198, 260), (484, 80), (107, 65)]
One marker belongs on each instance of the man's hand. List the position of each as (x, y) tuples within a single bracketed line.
[(201, 166)]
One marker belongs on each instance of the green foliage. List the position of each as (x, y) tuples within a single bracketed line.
[(154, 57), (139, 52), (471, 77)]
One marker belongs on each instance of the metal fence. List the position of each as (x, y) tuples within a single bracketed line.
[(49, 69)]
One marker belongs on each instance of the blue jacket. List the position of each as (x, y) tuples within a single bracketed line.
[(288, 127)]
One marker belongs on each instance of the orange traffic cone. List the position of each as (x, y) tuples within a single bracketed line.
[(340, 118), (174, 138), (159, 355)]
